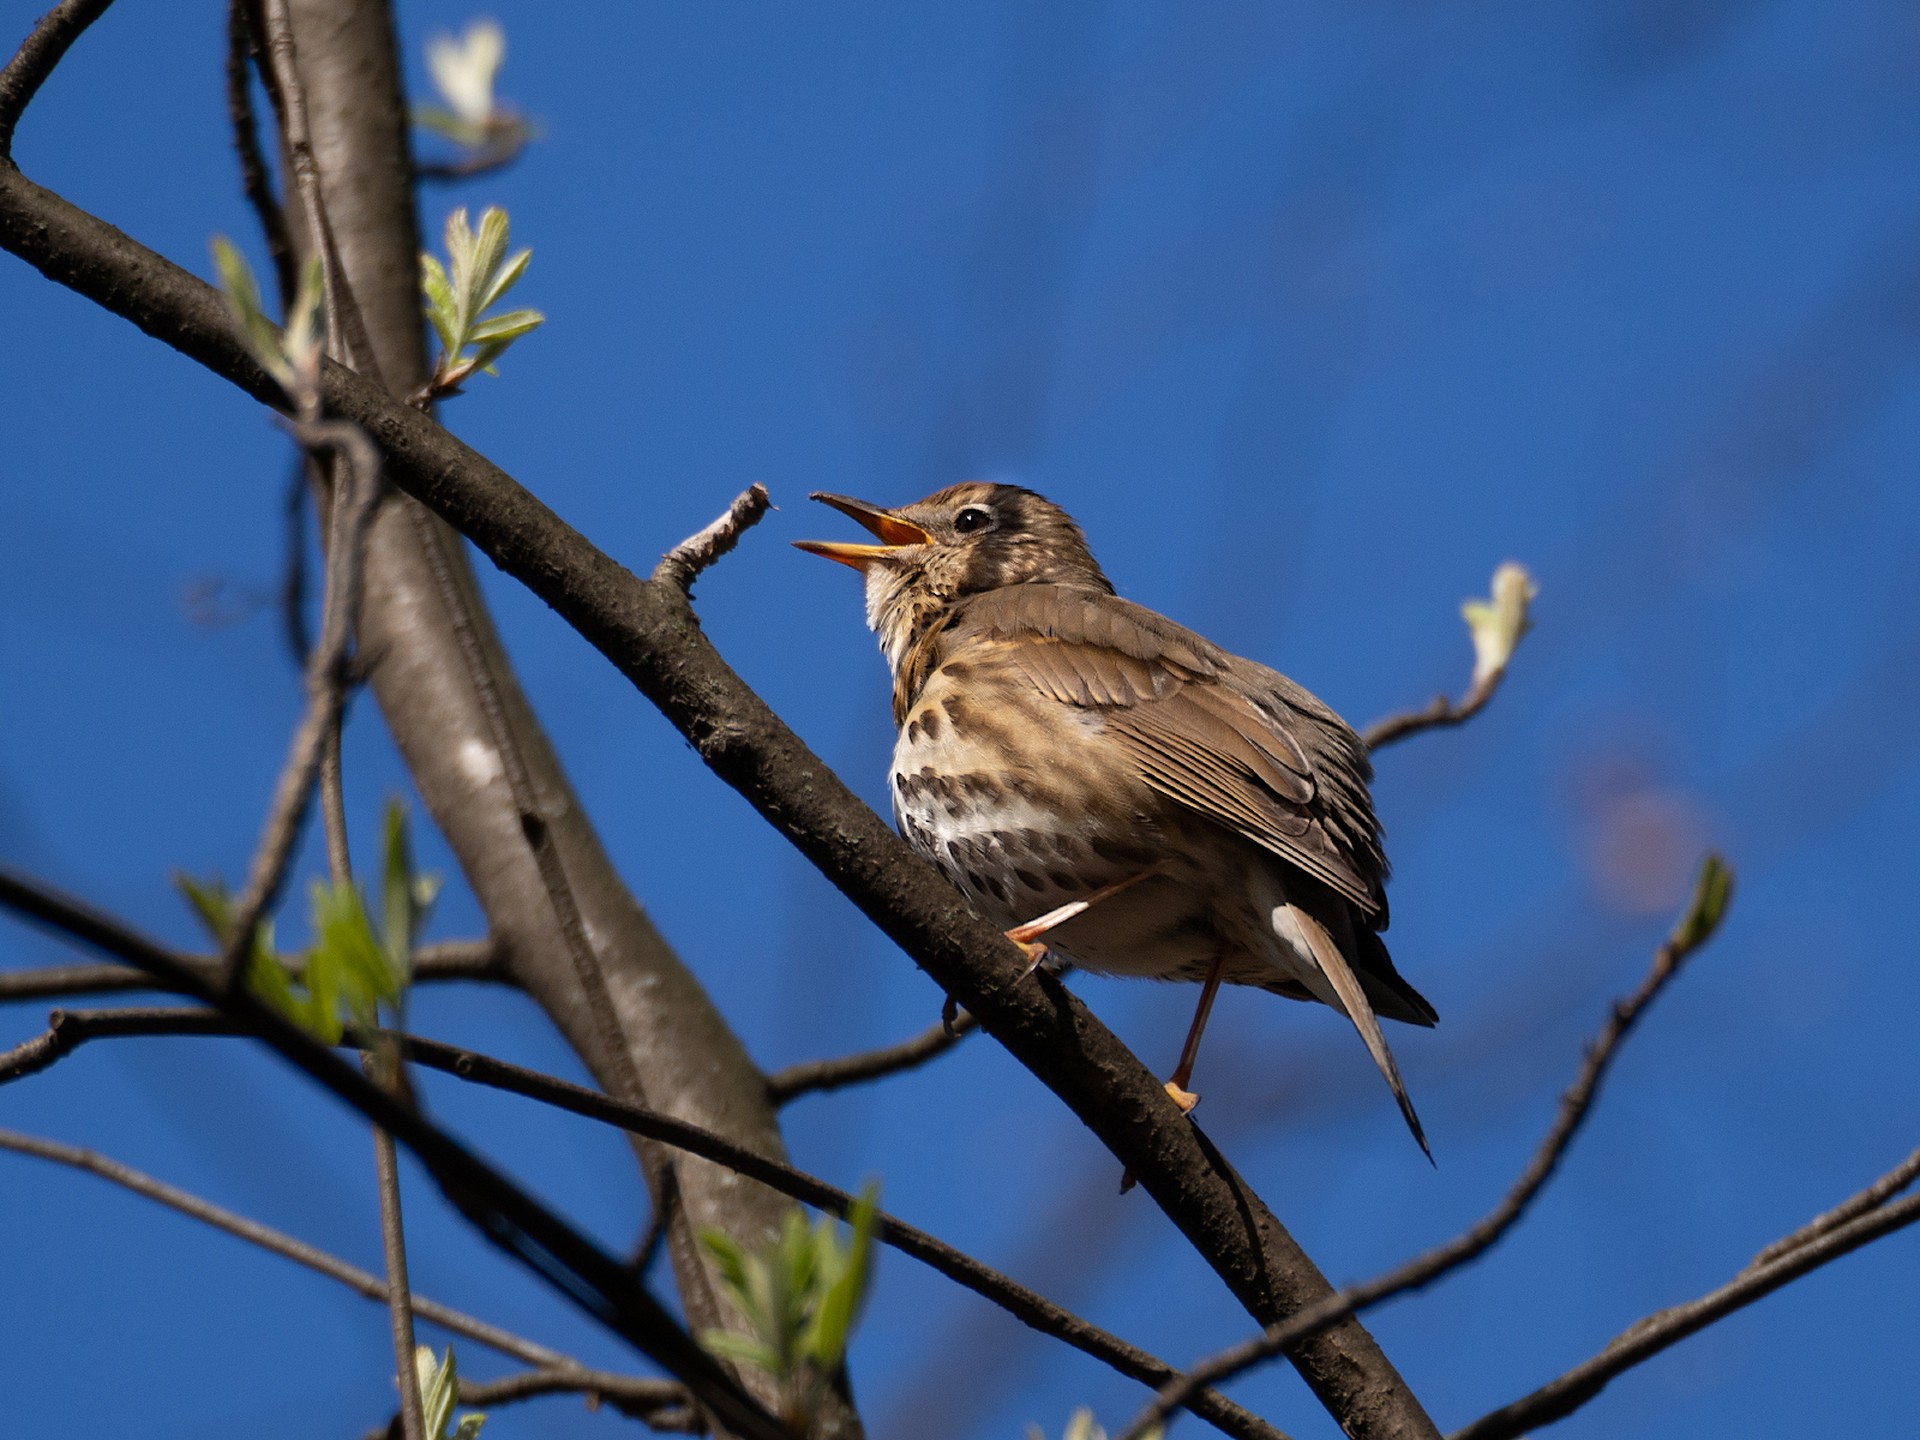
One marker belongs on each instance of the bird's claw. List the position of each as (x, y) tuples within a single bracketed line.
[(1035, 951)]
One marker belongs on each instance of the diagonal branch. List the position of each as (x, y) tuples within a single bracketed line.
[(652, 636), (1694, 929), (819, 1075), (1641, 1341)]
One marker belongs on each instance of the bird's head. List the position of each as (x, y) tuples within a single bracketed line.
[(957, 542)]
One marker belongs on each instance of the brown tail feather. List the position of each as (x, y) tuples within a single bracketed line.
[(1353, 999)]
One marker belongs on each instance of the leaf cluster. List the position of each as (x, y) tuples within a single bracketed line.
[(439, 1388), (353, 966), (290, 355), (476, 277), (800, 1295)]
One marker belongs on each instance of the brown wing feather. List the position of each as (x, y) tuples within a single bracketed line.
[(1224, 737)]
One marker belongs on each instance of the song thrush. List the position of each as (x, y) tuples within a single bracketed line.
[(1086, 769)]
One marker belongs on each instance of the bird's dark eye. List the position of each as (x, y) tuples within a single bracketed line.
[(973, 518)]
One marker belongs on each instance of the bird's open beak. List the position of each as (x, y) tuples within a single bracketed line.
[(895, 532)]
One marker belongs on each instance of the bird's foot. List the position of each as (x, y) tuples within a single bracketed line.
[(1034, 950), (950, 1017), (1181, 1096)]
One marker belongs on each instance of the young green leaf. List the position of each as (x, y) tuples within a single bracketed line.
[(439, 1391), (845, 1274), (1706, 908), (290, 356), (478, 273), (799, 1295)]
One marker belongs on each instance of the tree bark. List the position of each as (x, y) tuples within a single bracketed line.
[(568, 930)]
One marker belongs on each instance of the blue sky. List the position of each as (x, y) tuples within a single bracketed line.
[(1312, 313)]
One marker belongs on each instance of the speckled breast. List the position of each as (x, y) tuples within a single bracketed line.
[(1019, 800)]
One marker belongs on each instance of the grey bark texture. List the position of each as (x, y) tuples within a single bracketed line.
[(568, 930)]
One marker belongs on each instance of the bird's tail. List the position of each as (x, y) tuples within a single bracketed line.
[(1353, 1000)]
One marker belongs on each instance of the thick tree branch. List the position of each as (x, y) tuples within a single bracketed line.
[(361, 1282), (651, 635), (573, 936), (819, 1075), (1692, 931), (497, 1207), (1646, 1338)]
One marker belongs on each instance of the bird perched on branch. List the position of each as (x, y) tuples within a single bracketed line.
[(1087, 770)]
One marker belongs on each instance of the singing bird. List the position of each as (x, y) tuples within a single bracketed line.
[(1088, 770)]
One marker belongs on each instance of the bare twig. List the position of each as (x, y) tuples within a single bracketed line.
[(346, 330), (506, 145), (818, 1075), (361, 1282), (393, 1245), (448, 960), (634, 1395), (70, 1029), (1872, 1198), (326, 681), (254, 181), (1442, 714), (681, 565), (293, 585), (504, 1213), (1695, 927), (1648, 1337), (45, 46), (653, 1242)]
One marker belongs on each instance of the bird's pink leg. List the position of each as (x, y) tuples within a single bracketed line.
[(1190, 1052), (1027, 936)]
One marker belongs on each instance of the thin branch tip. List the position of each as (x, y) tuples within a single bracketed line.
[(681, 565), (43, 49)]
